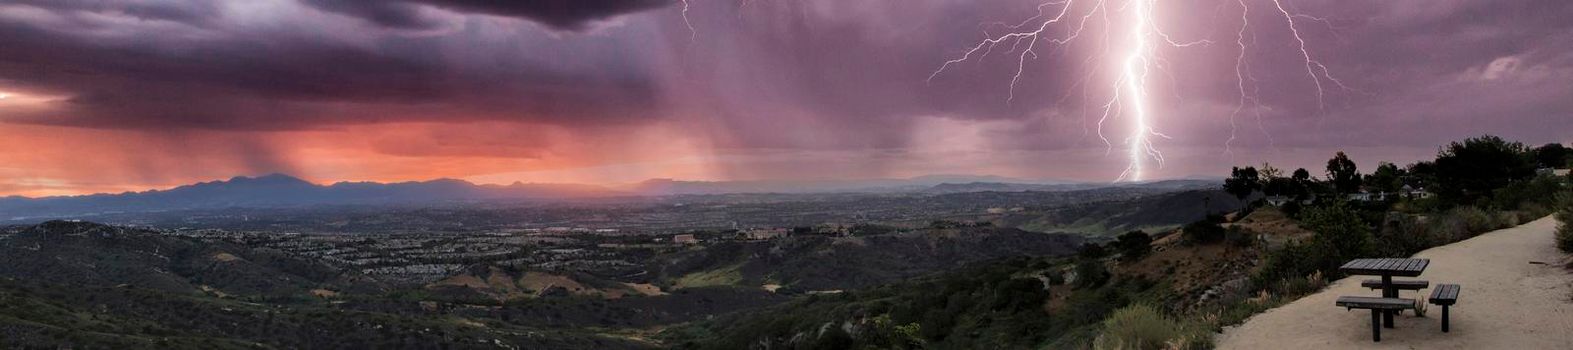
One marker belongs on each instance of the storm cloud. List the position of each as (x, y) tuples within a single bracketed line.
[(751, 89)]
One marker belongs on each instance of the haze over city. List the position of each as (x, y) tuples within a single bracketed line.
[(136, 95)]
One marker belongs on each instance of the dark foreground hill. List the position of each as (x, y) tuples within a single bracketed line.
[(66, 284), (88, 254), (87, 285)]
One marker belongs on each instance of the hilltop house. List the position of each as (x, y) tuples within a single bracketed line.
[(685, 239), (1278, 201), (1415, 193), (1365, 196)]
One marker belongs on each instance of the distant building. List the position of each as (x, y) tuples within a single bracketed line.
[(1560, 172), (1278, 201), (763, 234), (685, 239), (1414, 193)]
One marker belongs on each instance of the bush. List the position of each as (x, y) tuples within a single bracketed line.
[(1340, 233), (1404, 235), (1090, 273), (1143, 327), (1134, 245), (1565, 224), (1462, 223)]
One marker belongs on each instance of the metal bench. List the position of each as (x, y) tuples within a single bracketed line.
[(1378, 306), (1402, 285), (1445, 295)]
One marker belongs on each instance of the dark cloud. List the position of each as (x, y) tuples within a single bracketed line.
[(175, 11), (281, 82), (816, 75), (573, 15), (397, 14)]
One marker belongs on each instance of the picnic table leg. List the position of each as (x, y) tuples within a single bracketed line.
[(1444, 318), (1376, 325), (1388, 291)]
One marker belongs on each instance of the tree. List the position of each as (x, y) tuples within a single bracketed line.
[(1386, 178), (1303, 182), (1242, 182), (1420, 174), (1467, 172), (1090, 273), (1341, 235), (1273, 181), (1134, 245), (1343, 174), (1553, 155), (1268, 172)]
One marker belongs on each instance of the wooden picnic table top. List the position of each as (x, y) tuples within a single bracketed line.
[(1386, 267)]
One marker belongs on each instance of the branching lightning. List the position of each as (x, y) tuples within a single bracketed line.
[(1131, 87), (692, 34)]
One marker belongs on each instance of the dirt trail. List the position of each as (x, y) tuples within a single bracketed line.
[(1508, 301)]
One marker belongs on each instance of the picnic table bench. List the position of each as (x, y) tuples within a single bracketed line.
[(1445, 295), (1378, 307)]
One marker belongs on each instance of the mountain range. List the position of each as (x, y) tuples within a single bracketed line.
[(280, 190)]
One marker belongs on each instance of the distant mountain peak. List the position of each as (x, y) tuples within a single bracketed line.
[(274, 178)]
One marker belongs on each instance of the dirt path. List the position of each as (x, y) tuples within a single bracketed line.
[(1507, 302)]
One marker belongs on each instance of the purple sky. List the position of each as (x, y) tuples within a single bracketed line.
[(118, 95)]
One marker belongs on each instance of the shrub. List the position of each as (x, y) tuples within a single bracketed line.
[(1143, 327), (1134, 245), (1340, 233), (1565, 224), (1090, 273), (1291, 261), (1403, 235)]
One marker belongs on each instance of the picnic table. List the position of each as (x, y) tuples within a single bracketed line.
[(1387, 268)]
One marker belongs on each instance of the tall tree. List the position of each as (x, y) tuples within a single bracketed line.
[(1553, 155), (1302, 183), (1469, 171), (1301, 175), (1343, 174), (1386, 178), (1421, 174), (1242, 182)]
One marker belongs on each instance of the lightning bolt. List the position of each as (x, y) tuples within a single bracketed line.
[(692, 34), (1129, 94)]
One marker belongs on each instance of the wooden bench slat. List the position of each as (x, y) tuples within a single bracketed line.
[(1375, 303), (1405, 285), (1445, 294)]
